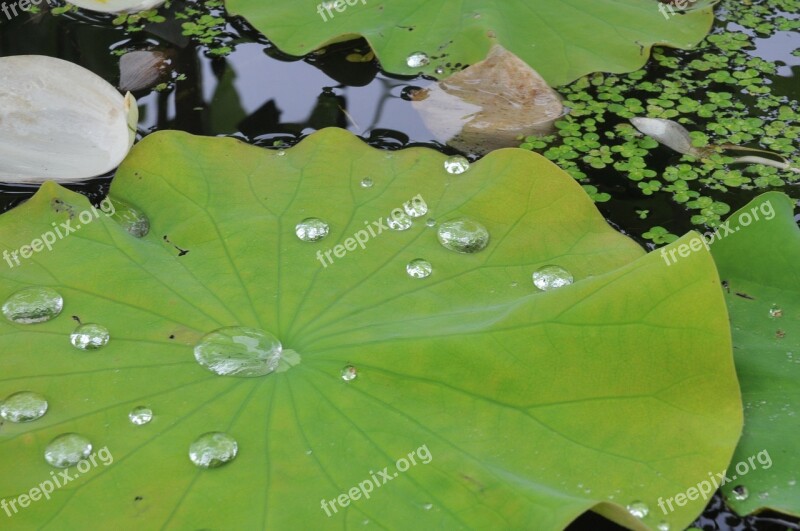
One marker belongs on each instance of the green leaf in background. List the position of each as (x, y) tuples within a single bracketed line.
[(522, 407), (759, 260), (562, 40)]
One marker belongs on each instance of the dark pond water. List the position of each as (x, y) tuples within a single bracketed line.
[(262, 96)]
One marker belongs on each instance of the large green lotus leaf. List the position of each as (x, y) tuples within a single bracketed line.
[(759, 260), (534, 406), (562, 40)]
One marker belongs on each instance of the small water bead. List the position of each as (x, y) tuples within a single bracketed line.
[(89, 336), (418, 60), (399, 222), (456, 165), (24, 406), (419, 268), (551, 277), (775, 311), (349, 373), (366, 182), (311, 229), (430, 222), (463, 235), (33, 305), (239, 351), (133, 220), (663, 526), (740, 493), (638, 509), (428, 506), (415, 209), (140, 415), (213, 449), (439, 70), (67, 450), (281, 152)]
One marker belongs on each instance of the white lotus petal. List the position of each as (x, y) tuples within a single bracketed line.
[(60, 122), (667, 132), (117, 6)]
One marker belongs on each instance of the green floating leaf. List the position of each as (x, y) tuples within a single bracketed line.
[(517, 405), (758, 259), (562, 40)]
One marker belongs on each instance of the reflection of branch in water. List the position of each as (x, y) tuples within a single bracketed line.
[(381, 102), (352, 120)]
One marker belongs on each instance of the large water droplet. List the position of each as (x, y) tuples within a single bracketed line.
[(418, 60), (213, 449), (89, 336), (140, 415), (638, 509), (349, 373), (67, 450), (367, 182), (399, 221), (239, 351), (740, 493), (463, 235), (33, 305), (419, 268), (415, 209), (24, 406), (311, 229), (551, 277), (129, 218), (456, 164)]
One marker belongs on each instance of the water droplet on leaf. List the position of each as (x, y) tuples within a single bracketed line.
[(140, 415), (213, 449), (311, 229), (367, 182), (638, 509), (89, 336), (399, 222), (551, 277), (415, 209), (463, 235), (417, 60), (239, 351), (67, 450), (456, 164), (33, 305), (740, 493), (349, 373), (129, 218), (775, 311), (419, 268), (24, 406)]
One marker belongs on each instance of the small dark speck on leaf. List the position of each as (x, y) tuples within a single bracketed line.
[(745, 296)]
